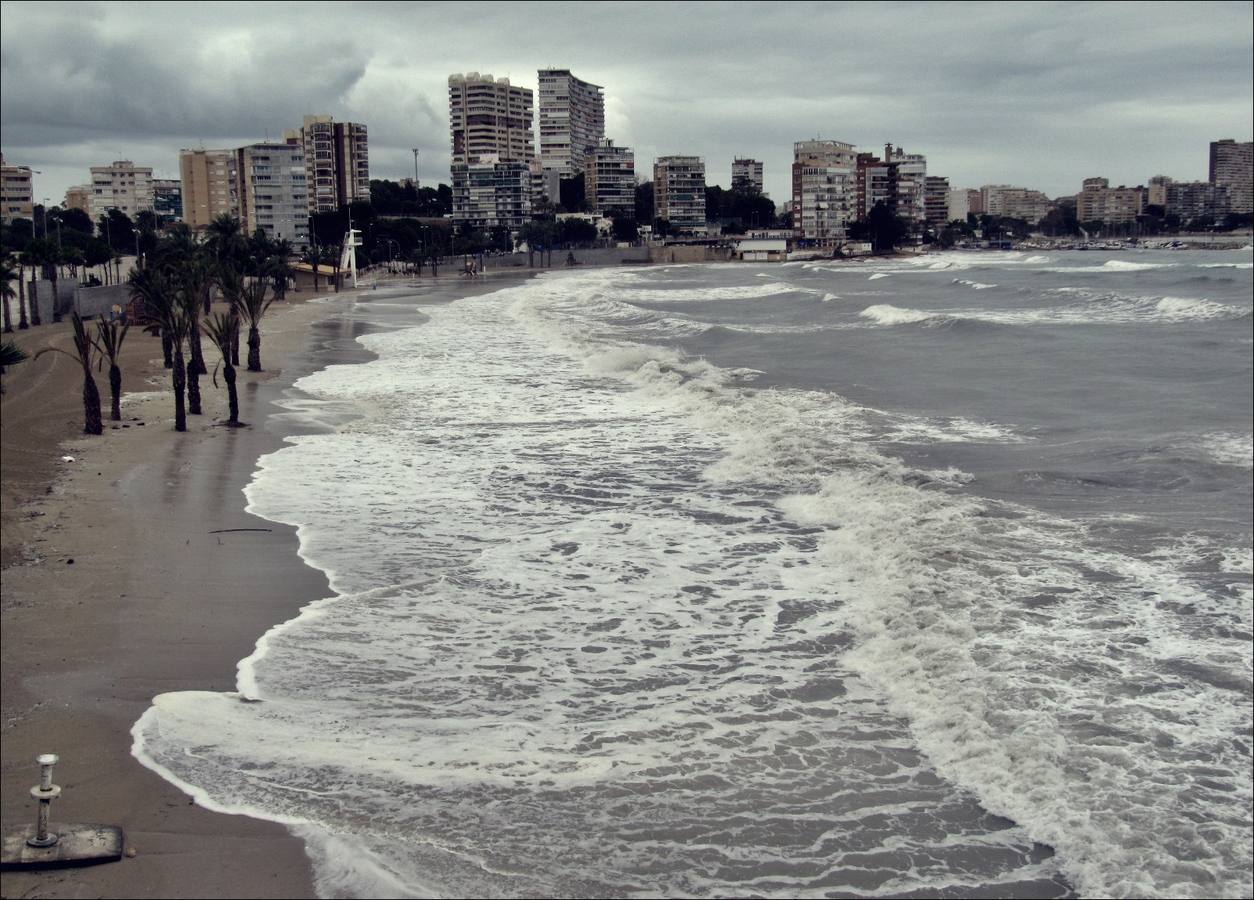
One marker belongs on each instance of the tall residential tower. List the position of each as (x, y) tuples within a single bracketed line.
[(572, 121)]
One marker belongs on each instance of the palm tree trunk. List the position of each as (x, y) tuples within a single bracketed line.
[(34, 302), (91, 405), (180, 384), (198, 352), (254, 349), (8, 318), (235, 348), (193, 389), (167, 348), (56, 305), (232, 396), (115, 388), (21, 298)]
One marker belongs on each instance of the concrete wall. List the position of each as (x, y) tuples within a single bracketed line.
[(98, 301), (43, 290), (689, 253)]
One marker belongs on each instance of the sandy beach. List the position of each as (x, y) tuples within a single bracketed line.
[(126, 576)]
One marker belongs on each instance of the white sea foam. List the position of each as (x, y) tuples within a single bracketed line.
[(878, 275), (594, 600), (1228, 449)]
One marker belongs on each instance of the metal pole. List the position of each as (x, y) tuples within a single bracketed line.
[(415, 149)]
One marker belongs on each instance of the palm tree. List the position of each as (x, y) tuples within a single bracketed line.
[(109, 338), (7, 276), (33, 258), (83, 347), (226, 241), (146, 286), (22, 324), (161, 304), (251, 306), (313, 256), (189, 302), (279, 266), (223, 331), (10, 355)]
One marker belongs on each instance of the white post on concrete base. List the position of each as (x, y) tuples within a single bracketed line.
[(45, 792)]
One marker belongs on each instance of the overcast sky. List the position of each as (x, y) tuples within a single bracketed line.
[(1034, 94)]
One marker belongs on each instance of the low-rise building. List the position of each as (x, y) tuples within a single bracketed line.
[(679, 192), (17, 192)]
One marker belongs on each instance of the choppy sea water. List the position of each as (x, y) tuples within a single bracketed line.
[(927, 577)]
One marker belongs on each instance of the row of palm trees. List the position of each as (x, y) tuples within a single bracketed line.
[(175, 289)]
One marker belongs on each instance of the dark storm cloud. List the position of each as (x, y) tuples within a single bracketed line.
[(1039, 94)]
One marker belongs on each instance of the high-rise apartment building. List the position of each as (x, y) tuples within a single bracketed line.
[(122, 186), (337, 162), (167, 201), (679, 192), (489, 117), (1232, 165), (1099, 202), (824, 190), (492, 146), (911, 185), (269, 191), (17, 192), (572, 121), (207, 186), (746, 174), (936, 201), (610, 180)]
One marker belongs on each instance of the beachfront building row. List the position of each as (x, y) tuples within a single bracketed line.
[(17, 192)]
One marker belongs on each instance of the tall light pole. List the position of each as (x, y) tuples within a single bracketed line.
[(415, 171)]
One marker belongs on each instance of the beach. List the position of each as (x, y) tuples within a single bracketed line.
[(131, 570)]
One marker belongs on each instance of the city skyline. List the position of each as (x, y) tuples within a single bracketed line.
[(1037, 95)]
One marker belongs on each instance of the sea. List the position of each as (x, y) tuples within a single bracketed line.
[(924, 576)]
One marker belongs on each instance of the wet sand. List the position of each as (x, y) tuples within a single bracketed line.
[(123, 579)]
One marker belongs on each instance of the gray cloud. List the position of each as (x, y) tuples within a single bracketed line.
[(1041, 94)]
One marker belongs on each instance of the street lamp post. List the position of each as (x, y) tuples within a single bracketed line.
[(415, 149)]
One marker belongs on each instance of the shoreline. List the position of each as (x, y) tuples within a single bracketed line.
[(115, 590)]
